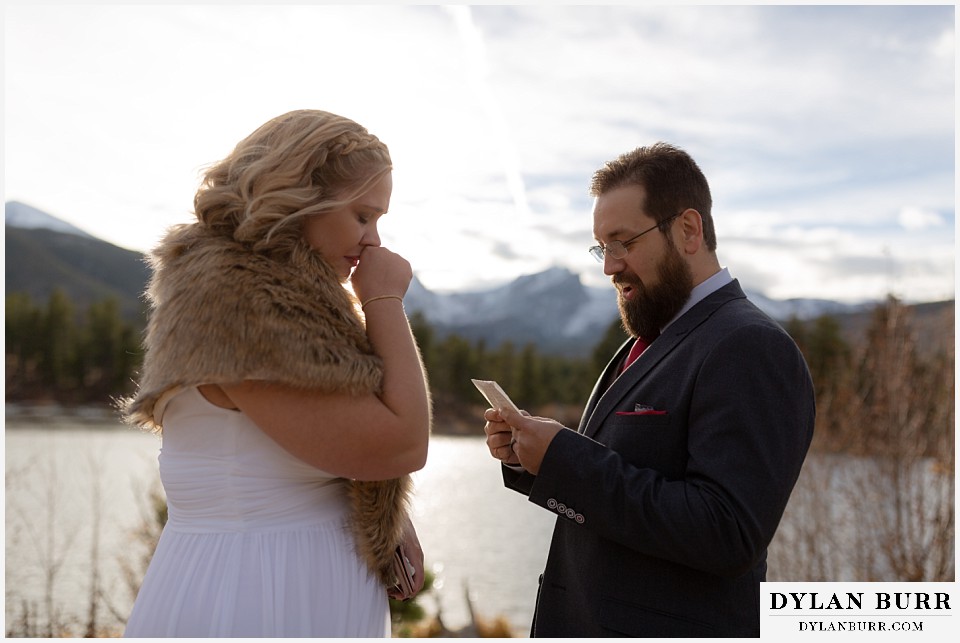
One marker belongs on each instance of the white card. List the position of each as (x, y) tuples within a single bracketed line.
[(495, 395)]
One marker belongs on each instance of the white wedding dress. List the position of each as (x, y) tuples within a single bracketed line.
[(256, 543)]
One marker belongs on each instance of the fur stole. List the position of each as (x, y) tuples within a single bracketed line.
[(222, 312)]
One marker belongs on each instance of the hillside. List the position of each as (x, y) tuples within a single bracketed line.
[(933, 324), (551, 309), (39, 260)]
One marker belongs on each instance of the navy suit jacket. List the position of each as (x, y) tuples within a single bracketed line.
[(673, 486)]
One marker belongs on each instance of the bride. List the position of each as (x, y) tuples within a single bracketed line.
[(291, 411)]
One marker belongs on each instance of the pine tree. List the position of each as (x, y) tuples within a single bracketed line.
[(58, 342)]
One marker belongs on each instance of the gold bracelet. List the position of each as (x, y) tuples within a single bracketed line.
[(397, 297)]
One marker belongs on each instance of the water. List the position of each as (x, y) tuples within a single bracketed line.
[(478, 537)]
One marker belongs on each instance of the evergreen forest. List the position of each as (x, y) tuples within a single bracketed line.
[(58, 352)]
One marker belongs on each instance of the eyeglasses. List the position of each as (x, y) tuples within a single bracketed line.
[(618, 249)]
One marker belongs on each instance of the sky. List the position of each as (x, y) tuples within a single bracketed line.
[(826, 132)]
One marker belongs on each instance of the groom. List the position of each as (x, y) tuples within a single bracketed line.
[(672, 487)]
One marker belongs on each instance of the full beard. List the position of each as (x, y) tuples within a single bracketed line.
[(652, 308)]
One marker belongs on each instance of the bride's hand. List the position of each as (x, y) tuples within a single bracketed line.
[(381, 273)]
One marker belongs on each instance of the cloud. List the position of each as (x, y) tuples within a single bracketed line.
[(503, 250), (914, 218), (826, 132)]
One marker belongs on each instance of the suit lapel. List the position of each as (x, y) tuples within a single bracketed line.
[(603, 402), (604, 381)]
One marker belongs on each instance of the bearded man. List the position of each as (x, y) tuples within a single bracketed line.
[(673, 486)]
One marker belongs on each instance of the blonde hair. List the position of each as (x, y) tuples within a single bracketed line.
[(300, 163)]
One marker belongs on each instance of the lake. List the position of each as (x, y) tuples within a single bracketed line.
[(478, 537), (79, 486)]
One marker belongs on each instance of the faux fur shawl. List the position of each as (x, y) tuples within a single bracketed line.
[(222, 312)]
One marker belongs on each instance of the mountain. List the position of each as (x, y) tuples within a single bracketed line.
[(803, 308), (21, 215), (552, 309), (42, 253)]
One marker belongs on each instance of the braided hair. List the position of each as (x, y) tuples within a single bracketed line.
[(300, 163)]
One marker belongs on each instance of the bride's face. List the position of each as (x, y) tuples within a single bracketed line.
[(341, 235)]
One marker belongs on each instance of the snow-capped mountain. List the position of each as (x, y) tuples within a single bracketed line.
[(21, 215), (554, 310), (802, 308), (551, 309)]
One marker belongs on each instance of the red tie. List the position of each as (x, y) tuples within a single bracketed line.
[(638, 347)]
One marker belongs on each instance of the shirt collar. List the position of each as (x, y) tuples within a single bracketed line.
[(709, 285)]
